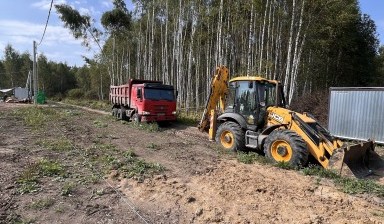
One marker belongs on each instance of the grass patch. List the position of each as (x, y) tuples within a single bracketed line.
[(149, 127), (36, 117), (100, 124), (285, 166), (346, 184), (94, 104), (59, 145), (28, 181), (250, 158), (153, 146), (67, 189), (189, 118), (41, 204), (130, 166)]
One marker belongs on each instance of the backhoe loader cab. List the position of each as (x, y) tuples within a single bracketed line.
[(249, 112), (251, 96)]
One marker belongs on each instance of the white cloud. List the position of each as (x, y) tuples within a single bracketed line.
[(107, 4), (22, 32), (45, 4)]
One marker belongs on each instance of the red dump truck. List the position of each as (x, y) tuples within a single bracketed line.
[(143, 100)]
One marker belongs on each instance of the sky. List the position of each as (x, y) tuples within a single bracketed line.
[(23, 21)]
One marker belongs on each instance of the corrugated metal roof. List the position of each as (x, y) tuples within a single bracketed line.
[(357, 113)]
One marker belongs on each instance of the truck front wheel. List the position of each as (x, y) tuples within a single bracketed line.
[(135, 118), (230, 136)]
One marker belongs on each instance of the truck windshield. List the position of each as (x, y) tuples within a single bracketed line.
[(158, 94)]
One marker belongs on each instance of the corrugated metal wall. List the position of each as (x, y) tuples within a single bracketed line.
[(357, 113)]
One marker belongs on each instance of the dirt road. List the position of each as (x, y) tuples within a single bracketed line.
[(61, 164)]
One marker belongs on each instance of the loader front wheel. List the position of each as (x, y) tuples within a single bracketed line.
[(230, 136), (286, 146)]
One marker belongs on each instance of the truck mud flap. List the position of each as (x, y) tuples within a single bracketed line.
[(354, 160)]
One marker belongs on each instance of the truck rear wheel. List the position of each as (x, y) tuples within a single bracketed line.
[(286, 146), (122, 114), (230, 136), (114, 111)]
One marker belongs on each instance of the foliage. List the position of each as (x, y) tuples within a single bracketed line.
[(59, 145), (250, 158), (36, 117), (347, 184), (28, 181)]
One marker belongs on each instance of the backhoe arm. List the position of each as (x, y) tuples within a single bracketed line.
[(218, 91)]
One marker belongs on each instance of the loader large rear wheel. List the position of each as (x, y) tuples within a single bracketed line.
[(286, 146), (230, 136)]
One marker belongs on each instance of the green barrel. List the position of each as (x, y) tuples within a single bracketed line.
[(41, 97)]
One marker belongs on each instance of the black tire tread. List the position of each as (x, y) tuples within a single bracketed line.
[(238, 134), (298, 145)]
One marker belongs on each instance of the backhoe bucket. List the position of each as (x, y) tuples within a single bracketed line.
[(352, 160)]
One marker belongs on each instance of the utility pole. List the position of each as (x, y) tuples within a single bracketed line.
[(34, 74)]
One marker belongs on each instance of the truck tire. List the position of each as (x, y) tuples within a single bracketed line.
[(114, 111), (122, 115), (286, 146), (135, 118), (230, 136)]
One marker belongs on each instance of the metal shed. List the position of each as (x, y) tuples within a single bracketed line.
[(357, 113)]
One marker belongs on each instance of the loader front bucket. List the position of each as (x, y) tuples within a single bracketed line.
[(352, 160)]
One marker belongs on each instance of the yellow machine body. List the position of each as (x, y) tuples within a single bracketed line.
[(284, 135)]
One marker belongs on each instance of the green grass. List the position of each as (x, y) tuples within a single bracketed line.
[(36, 117), (41, 204), (346, 184), (191, 118), (94, 104), (130, 166), (67, 189), (153, 146), (100, 124), (250, 158), (149, 127), (58, 145), (28, 181)]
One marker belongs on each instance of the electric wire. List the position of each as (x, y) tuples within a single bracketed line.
[(46, 24)]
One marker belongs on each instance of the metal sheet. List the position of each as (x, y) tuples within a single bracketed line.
[(357, 113)]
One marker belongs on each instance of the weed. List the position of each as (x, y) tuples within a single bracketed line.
[(28, 181), (347, 185), (100, 124), (153, 146), (247, 158), (67, 189), (250, 158), (189, 118), (320, 172), (42, 204), (284, 165), (50, 168), (36, 117), (59, 145), (149, 127)]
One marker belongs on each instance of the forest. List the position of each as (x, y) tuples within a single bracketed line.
[(307, 45)]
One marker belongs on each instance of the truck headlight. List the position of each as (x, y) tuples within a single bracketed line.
[(174, 112), (146, 113)]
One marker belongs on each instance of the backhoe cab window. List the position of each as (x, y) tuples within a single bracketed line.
[(267, 94)]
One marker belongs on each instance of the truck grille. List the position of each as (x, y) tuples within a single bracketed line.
[(160, 109)]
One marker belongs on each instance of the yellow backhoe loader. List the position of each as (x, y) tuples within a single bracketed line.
[(250, 112)]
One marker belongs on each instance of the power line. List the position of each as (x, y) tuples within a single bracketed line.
[(46, 24)]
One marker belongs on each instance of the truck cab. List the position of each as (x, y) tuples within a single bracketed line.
[(144, 100)]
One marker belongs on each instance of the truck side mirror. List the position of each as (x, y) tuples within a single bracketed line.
[(139, 94)]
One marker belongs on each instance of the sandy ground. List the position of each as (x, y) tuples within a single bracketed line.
[(200, 184)]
